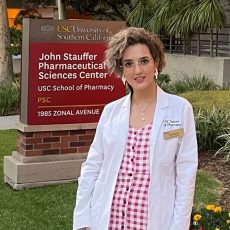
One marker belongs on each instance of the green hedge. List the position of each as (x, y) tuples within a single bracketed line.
[(212, 115), (207, 99)]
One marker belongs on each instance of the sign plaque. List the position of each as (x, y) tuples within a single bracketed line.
[(64, 76)]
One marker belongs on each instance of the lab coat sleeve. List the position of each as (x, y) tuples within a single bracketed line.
[(186, 168), (89, 173)]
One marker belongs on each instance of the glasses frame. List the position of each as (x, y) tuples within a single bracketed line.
[(140, 62)]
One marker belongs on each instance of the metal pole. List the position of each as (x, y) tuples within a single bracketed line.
[(170, 44), (217, 42), (60, 9), (184, 45), (211, 42), (198, 43)]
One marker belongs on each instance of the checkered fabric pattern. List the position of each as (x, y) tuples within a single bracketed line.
[(130, 200)]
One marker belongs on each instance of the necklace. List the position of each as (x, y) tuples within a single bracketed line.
[(142, 111)]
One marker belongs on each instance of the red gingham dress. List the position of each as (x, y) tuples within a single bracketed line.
[(129, 208)]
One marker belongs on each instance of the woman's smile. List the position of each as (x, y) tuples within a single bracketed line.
[(139, 79)]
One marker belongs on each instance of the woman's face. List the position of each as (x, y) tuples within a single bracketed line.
[(138, 67)]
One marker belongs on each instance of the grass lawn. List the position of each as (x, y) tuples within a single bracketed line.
[(208, 190), (45, 208), (51, 207)]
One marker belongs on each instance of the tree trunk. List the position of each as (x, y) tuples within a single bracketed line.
[(6, 63)]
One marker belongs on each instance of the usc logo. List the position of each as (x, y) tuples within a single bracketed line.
[(65, 29)]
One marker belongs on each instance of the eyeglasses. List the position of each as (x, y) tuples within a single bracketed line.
[(130, 64)]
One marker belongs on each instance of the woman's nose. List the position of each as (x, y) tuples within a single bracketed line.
[(137, 68)]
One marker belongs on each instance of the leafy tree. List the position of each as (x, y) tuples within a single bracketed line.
[(26, 13), (16, 30), (34, 4), (101, 9), (98, 9)]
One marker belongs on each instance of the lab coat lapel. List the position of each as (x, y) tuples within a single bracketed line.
[(160, 112), (124, 121)]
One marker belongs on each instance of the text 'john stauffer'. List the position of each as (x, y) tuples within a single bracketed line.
[(85, 63)]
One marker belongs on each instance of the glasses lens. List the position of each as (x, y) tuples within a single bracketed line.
[(141, 62)]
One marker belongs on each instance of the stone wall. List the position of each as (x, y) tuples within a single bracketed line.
[(217, 69)]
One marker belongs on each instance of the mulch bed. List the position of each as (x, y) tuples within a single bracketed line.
[(216, 166)]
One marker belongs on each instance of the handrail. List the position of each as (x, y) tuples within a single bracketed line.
[(216, 43)]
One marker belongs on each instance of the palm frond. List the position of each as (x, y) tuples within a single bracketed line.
[(181, 21), (209, 14), (163, 10), (141, 13)]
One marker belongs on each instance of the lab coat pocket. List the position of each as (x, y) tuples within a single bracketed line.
[(169, 149), (167, 175)]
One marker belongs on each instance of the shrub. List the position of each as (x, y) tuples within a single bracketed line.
[(9, 98), (186, 84), (225, 149), (210, 123), (163, 81), (195, 83), (212, 115), (16, 40), (163, 78)]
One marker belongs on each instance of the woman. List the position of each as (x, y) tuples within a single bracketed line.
[(141, 167)]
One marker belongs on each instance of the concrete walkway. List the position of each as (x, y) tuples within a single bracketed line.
[(8, 122)]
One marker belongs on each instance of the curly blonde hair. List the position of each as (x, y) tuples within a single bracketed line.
[(128, 37)]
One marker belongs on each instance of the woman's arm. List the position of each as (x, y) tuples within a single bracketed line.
[(89, 174), (186, 168)]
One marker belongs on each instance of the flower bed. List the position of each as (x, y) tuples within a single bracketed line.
[(211, 218)]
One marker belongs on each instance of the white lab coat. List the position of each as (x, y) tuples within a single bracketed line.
[(173, 166)]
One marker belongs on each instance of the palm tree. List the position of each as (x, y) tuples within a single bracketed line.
[(209, 15), (178, 17), (6, 63)]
